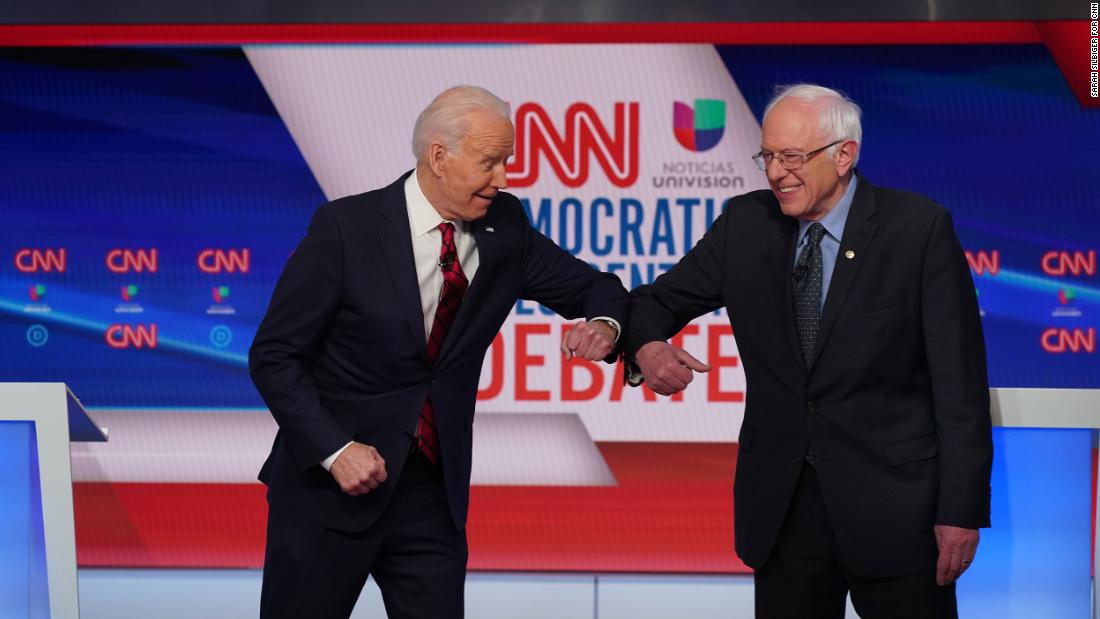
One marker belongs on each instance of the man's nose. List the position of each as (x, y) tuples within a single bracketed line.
[(775, 171), (500, 176)]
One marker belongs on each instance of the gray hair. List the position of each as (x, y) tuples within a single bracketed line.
[(445, 118), (838, 115)]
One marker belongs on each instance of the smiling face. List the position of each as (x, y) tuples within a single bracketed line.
[(811, 191), (461, 182)]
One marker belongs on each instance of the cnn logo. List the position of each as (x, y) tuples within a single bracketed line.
[(33, 260), (1065, 340), (1069, 263), (224, 261), (984, 262), (131, 260), (585, 138), (131, 336)]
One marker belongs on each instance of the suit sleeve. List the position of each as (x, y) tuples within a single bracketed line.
[(568, 285), (689, 289), (955, 349), (306, 297)]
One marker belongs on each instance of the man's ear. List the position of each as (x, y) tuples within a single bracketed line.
[(437, 157), (845, 157)]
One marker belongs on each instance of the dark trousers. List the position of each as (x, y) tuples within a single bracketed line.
[(413, 551), (805, 576)]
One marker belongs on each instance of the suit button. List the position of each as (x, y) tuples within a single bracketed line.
[(797, 461), (810, 406)]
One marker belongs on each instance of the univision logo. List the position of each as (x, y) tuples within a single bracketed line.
[(37, 306), (221, 295), (1065, 309), (699, 129)]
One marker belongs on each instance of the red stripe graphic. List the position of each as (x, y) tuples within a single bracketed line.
[(671, 512), (791, 33)]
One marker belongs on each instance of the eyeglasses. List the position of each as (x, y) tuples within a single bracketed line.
[(789, 160)]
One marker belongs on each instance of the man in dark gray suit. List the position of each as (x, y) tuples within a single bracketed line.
[(866, 447)]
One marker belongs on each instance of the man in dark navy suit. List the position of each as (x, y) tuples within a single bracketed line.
[(866, 447), (369, 358)]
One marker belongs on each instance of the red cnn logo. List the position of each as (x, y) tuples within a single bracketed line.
[(1063, 340), (1063, 262), (127, 260), (984, 262), (569, 155), (223, 260), (34, 260), (127, 336)]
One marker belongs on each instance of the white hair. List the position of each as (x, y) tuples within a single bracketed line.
[(446, 117), (838, 115)]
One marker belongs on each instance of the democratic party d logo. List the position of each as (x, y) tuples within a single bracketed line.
[(702, 128)]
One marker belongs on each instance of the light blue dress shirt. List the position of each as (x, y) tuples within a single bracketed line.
[(830, 243)]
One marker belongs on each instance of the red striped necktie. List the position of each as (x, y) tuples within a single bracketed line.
[(450, 297)]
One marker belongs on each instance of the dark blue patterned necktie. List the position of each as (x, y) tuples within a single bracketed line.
[(806, 292)]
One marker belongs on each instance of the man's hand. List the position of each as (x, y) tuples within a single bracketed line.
[(592, 340), (359, 469), (666, 368), (957, 547)]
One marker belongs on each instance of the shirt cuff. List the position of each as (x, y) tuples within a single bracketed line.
[(327, 462), (614, 325)]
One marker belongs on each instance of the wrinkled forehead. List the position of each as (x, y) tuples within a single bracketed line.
[(488, 132), (792, 124)]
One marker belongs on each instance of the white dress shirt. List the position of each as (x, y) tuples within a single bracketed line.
[(427, 240)]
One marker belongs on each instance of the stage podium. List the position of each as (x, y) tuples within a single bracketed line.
[(1037, 559), (37, 540)]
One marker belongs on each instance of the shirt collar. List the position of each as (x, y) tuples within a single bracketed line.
[(423, 218), (835, 219)]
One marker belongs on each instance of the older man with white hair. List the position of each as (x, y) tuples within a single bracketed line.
[(369, 359), (866, 446)]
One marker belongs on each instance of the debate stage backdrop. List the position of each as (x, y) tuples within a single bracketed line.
[(151, 195)]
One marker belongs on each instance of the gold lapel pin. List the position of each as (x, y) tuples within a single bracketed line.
[(849, 254)]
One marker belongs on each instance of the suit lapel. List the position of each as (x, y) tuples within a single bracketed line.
[(396, 241), (782, 264), (858, 231)]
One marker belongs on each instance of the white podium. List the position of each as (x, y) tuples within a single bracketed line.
[(37, 539), (1054, 409)]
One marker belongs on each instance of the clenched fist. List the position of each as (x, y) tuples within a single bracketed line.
[(666, 368), (359, 469)]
